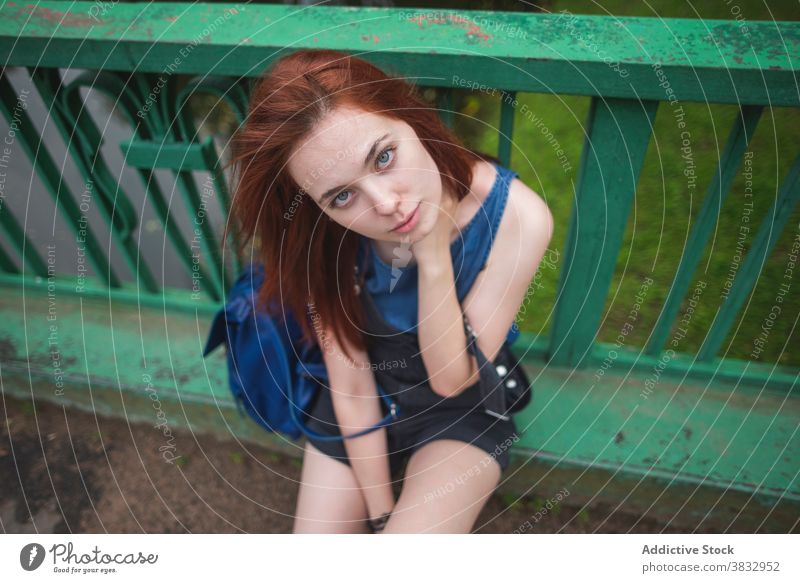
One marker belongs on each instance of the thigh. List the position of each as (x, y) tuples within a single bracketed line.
[(446, 485), (329, 500)]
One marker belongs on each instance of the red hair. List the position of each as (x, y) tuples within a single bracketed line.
[(289, 230)]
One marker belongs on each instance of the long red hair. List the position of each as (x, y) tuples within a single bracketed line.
[(307, 257)]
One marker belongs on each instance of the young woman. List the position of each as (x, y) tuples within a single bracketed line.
[(375, 221)]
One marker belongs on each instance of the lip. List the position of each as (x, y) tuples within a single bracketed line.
[(409, 223)]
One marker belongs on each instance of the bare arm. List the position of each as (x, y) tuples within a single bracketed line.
[(491, 305), (356, 406), (442, 341)]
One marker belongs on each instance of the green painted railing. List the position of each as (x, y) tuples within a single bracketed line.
[(150, 59)]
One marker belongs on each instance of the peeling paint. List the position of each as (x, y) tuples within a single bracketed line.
[(475, 30), (61, 18), (472, 29)]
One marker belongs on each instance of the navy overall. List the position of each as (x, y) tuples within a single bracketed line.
[(390, 304)]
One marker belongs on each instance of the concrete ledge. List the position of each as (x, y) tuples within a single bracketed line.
[(688, 453)]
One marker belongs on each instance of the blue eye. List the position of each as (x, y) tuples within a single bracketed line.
[(385, 157), (337, 200), (383, 160)]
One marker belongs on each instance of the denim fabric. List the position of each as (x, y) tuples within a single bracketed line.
[(392, 341), (398, 303)]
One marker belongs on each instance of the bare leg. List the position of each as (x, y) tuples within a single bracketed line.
[(329, 500), (447, 483)]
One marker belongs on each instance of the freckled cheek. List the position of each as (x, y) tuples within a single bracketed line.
[(429, 214), (404, 187), (362, 223), (425, 174)]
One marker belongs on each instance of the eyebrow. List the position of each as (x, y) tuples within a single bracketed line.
[(336, 189)]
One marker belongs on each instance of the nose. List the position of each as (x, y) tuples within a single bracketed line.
[(385, 201)]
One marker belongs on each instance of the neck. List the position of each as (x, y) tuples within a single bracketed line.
[(390, 251)]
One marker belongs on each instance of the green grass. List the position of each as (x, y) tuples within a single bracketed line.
[(664, 208)]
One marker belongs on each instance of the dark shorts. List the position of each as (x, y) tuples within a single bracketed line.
[(416, 427)]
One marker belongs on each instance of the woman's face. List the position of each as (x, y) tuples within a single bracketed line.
[(369, 173)]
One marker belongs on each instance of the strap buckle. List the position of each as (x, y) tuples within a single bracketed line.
[(495, 414)]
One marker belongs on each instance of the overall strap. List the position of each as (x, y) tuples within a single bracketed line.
[(394, 409), (391, 416), (493, 395)]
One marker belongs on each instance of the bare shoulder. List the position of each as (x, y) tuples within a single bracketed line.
[(524, 232), (526, 212), (527, 223), (483, 177)]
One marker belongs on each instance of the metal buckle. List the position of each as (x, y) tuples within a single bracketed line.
[(498, 415)]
